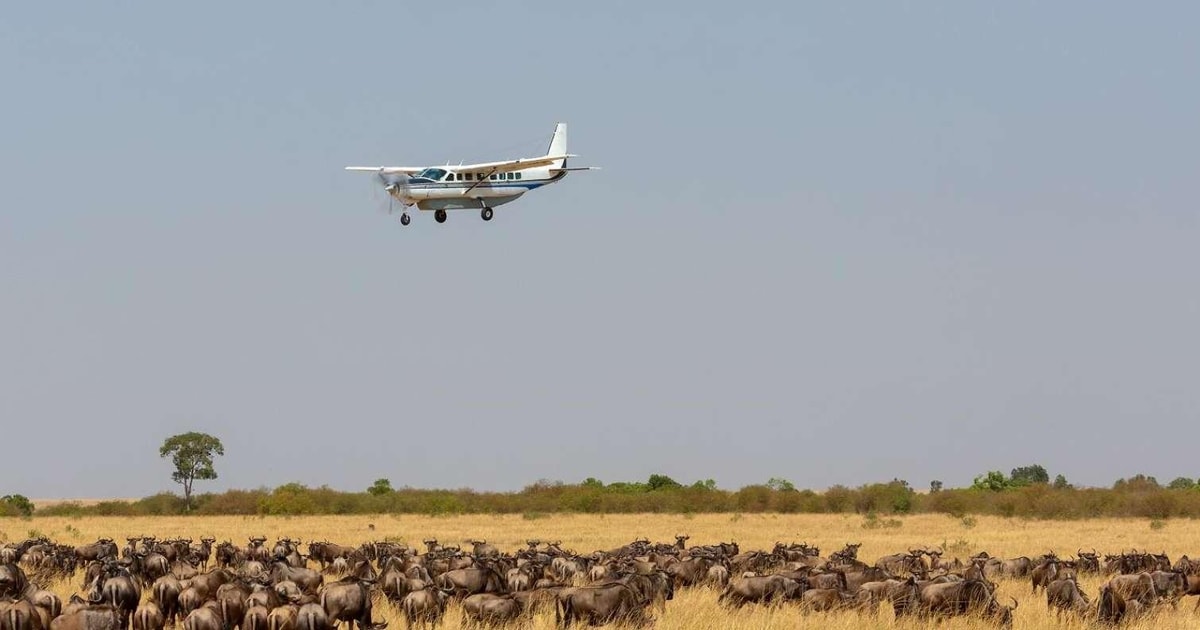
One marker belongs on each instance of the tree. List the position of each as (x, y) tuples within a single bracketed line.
[(993, 480), (380, 487), (935, 486), (1060, 482), (1137, 483), (192, 455), (781, 485), (17, 503), (661, 482), (1181, 483), (1028, 475)]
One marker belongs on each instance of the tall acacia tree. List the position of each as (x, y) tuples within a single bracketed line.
[(192, 454)]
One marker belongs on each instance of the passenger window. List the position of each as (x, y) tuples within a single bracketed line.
[(492, 177), (468, 176), (518, 175)]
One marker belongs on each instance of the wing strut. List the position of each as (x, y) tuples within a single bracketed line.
[(480, 181)]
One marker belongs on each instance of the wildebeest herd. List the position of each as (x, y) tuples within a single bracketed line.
[(149, 584)]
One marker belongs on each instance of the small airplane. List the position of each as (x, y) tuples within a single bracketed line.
[(483, 186)]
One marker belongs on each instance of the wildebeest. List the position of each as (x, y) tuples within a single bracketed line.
[(760, 589), (1137, 587), (1065, 595), (206, 617), (148, 616), (425, 607), (965, 598), (596, 605), (89, 618), (19, 615), (490, 609), (463, 582), (312, 616), (349, 600)]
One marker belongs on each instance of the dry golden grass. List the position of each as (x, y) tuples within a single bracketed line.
[(695, 608)]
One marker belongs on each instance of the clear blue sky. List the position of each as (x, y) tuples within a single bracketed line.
[(832, 242)]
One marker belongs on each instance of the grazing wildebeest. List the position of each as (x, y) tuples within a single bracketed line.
[(463, 582), (760, 589), (89, 618), (490, 609), (424, 607), (1137, 587), (609, 603), (1065, 595)]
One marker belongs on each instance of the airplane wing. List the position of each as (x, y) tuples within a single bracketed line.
[(388, 170), (512, 165)]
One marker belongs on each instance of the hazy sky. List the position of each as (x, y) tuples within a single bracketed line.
[(834, 242)]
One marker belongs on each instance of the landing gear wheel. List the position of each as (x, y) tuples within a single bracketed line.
[(439, 216), (405, 219), (486, 214)]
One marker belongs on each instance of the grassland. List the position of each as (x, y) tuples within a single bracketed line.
[(697, 608)]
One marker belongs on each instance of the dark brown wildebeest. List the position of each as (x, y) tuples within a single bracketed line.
[(102, 549), (1044, 574), (89, 618), (255, 617), (490, 609), (967, 597), (463, 582), (425, 607), (481, 549), (206, 617), (12, 581), (19, 615), (766, 589), (232, 596), (825, 599), (312, 616), (1171, 585), (148, 616), (1087, 562), (1113, 608), (208, 583), (283, 617), (693, 571), (308, 580), (120, 592), (189, 599), (349, 600), (903, 564), (597, 605), (1137, 587), (1065, 595)]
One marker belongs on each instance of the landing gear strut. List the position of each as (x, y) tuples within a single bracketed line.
[(486, 213), (405, 219), (439, 216)]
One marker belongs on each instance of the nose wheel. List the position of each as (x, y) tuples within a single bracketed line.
[(405, 219), (439, 216), (486, 214)]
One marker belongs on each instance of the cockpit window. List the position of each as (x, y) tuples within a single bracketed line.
[(436, 174)]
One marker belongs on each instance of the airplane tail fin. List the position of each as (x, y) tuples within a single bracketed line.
[(558, 145)]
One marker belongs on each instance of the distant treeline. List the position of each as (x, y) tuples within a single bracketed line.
[(991, 494)]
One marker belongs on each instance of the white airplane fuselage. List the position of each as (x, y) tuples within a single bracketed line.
[(446, 188)]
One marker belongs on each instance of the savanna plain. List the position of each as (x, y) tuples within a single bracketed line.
[(698, 607)]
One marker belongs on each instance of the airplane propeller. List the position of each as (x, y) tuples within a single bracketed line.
[(391, 183)]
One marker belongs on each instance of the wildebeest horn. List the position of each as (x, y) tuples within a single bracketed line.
[(1016, 604)]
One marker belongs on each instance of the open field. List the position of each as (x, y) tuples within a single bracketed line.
[(696, 608)]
